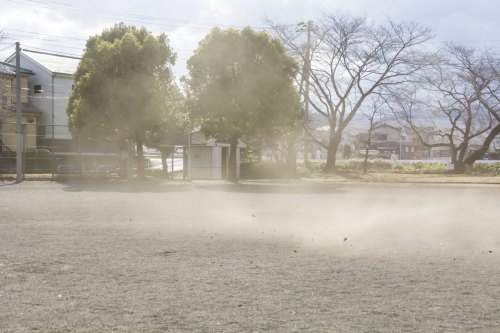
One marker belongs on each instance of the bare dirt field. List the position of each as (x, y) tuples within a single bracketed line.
[(259, 256)]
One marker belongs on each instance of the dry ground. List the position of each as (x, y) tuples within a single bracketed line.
[(260, 256)]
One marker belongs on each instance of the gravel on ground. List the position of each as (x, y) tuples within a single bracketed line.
[(258, 256)]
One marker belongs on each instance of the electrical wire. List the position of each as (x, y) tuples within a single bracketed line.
[(81, 9), (114, 15)]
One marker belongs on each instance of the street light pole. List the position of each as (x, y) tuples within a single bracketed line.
[(19, 126)]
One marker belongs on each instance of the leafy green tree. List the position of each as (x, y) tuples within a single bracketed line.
[(241, 84), (118, 82), (173, 123)]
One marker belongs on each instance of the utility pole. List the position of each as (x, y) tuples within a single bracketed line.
[(19, 126), (307, 67)]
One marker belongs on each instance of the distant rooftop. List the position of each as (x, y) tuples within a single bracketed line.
[(54, 62), (8, 69)]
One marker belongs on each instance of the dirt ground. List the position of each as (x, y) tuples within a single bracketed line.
[(259, 256)]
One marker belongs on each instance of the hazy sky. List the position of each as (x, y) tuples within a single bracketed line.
[(35, 23)]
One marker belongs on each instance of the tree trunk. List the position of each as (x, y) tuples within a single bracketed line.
[(164, 164), (141, 173), (458, 166), (484, 148), (333, 146), (366, 159), (259, 155), (232, 177), (290, 158), (368, 143)]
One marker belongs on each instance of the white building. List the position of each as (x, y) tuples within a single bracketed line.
[(49, 89)]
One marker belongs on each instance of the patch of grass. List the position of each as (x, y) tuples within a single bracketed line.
[(265, 170)]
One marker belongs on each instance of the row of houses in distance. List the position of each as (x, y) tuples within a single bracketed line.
[(390, 138)]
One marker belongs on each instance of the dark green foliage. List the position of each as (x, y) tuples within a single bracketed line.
[(43, 160), (264, 170), (120, 84), (347, 151), (241, 85)]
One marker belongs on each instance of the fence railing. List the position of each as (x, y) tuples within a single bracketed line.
[(51, 150)]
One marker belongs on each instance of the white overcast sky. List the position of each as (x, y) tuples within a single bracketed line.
[(35, 23)]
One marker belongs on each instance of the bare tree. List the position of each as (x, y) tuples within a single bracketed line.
[(350, 59), (455, 104), (371, 114)]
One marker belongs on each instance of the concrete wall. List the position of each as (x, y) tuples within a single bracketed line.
[(205, 162)]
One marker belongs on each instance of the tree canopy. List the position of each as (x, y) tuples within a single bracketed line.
[(455, 104), (348, 59), (241, 84), (119, 85)]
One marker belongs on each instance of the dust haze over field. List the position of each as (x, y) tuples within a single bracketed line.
[(211, 256)]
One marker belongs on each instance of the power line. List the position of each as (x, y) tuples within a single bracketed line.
[(37, 33), (129, 17), (141, 16)]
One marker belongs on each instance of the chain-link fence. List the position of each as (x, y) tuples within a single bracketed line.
[(51, 150)]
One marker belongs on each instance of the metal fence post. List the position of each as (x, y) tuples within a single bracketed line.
[(80, 155), (24, 151), (105, 158), (172, 158), (53, 152), (189, 157)]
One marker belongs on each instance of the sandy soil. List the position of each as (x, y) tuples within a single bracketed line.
[(263, 256)]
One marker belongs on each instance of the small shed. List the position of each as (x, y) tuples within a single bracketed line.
[(206, 158)]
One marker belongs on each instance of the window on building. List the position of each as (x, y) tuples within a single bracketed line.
[(407, 149), (380, 136), (31, 120), (4, 102), (412, 149), (40, 130), (37, 88)]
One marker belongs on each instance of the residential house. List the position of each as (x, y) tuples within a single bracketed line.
[(29, 114), (47, 93), (388, 140)]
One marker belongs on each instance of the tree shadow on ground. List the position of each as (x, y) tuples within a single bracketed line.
[(273, 188), (128, 187)]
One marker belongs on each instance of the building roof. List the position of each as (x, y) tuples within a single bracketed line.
[(385, 125), (55, 63), (25, 108), (8, 69)]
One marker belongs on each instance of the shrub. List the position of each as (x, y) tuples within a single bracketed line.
[(43, 160), (264, 170), (419, 167), (484, 168), (307, 168)]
